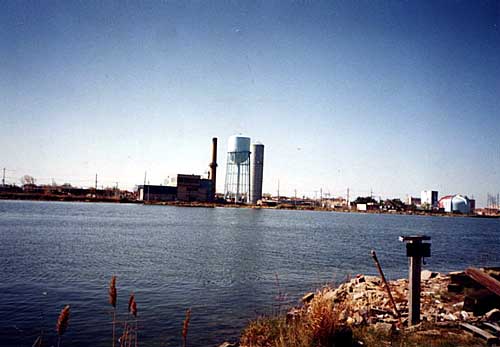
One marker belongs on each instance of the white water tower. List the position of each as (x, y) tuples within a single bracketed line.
[(237, 187)]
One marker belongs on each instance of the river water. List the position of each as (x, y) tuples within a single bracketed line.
[(227, 265)]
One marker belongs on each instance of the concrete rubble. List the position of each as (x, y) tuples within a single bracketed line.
[(367, 301)]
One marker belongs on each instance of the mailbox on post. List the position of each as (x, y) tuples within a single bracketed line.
[(415, 250)]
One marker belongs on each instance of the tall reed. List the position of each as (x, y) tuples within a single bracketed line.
[(185, 327), (62, 323), (112, 300), (125, 338), (132, 309)]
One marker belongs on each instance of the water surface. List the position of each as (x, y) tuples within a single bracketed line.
[(220, 262)]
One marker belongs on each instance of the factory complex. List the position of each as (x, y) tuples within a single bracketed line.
[(243, 182)]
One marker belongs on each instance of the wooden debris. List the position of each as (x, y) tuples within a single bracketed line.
[(490, 338), (493, 326), (484, 279)]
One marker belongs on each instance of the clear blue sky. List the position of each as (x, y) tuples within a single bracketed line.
[(394, 96)]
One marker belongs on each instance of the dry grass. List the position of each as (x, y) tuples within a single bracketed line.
[(317, 324), (126, 338)]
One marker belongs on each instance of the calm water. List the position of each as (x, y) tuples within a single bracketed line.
[(220, 262)]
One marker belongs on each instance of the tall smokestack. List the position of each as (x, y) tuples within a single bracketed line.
[(213, 168)]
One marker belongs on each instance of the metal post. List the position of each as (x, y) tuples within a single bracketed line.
[(237, 198), (415, 250), (414, 289)]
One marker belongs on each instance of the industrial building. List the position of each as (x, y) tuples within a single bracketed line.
[(244, 176), (156, 193), (185, 188), (193, 188), (457, 204), (244, 170), (429, 198), (188, 188)]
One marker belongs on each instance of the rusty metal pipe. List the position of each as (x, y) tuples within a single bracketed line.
[(379, 268)]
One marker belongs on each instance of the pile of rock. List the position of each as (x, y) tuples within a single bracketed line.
[(367, 301)]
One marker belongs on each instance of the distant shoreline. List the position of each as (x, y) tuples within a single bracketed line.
[(66, 198)]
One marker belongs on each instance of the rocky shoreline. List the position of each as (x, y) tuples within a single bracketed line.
[(452, 306)]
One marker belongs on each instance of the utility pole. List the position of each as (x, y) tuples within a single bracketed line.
[(148, 191), (96, 183), (321, 194), (3, 178), (348, 202), (278, 191), (144, 186), (295, 193)]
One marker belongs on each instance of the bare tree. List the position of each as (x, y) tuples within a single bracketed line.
[(27, 179)]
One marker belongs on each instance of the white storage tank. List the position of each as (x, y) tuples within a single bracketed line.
[(256, 172), (460, 204)]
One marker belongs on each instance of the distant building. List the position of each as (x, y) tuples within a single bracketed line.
[(371, 206), (334, 203), (429, 198), (456, 204), (193, 188), (413, 201), (157, 193), (472, 205)]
